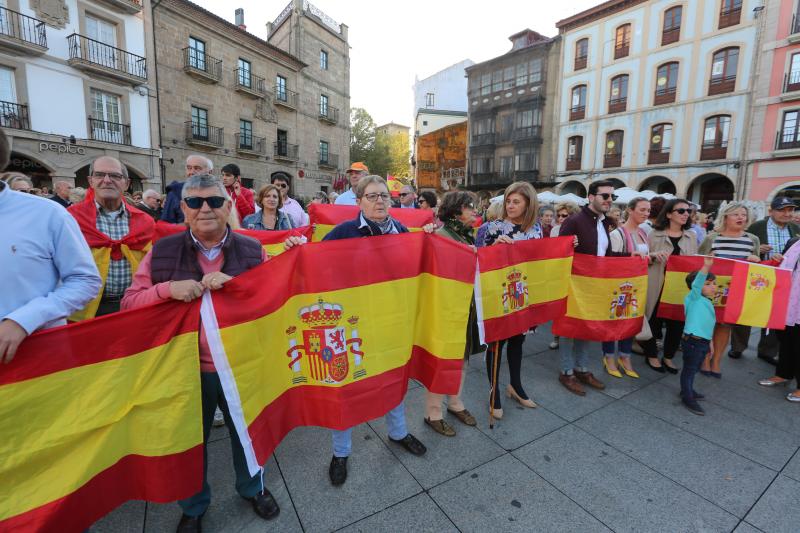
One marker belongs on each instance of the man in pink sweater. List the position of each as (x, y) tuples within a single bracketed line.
[(181, 267)]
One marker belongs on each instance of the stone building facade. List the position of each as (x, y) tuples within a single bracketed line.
[(510, 123), (235, 98)]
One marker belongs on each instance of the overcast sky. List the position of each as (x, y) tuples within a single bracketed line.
[(391, 42)]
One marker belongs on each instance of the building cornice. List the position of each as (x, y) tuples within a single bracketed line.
[(597, 12)]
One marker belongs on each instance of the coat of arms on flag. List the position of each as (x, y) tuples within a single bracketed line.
[(326, 345), (625, 304), (515, 291)]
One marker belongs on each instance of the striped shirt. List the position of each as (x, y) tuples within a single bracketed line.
[(115, 225), (776, 237), (733, 247)]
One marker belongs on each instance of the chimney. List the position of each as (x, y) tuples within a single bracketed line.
[(240, 19)]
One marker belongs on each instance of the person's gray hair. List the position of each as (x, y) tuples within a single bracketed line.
[(14, 179), (545, 208), (364, 182), (209, 162), (123, 168), (203, 181), (150, 192)]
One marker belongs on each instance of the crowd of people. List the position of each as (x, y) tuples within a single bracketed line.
[(50, 273)]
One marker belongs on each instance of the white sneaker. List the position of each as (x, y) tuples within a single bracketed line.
[(554, 345), (219, 420)]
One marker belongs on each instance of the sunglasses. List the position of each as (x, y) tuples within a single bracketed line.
[(281, 186), (196, 202), (682, 211), (606, 196), (561, 216), (404, 194)]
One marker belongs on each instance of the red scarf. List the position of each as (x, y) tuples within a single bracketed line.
[(140, 227)]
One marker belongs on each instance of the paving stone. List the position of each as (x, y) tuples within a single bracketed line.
[(793, 468), (622, 493), (762, 443), (777, 510), (504, 495), (127, 518), (418, 514), (730, 481), (376, 479), (744, 527), (446, 457), (228, 511)]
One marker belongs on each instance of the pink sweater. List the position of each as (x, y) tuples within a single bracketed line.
[(142, 292), (792, 261)]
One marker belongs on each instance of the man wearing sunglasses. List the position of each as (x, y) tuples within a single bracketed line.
[(180, 267), (408, 198), (591, 227)]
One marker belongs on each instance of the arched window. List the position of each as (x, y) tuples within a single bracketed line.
[(660, 144), (666, 83), (577, 110), (581, 53), (715, 137), (613, 149), (671, 31), (730, 13), (574, 152), (723, 71), (622, 41), (618, 99)]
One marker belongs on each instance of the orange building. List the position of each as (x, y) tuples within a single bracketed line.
[(441, 154)]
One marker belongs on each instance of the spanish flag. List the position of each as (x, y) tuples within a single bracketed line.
[(606, 299), (675, 289), (132, 247), (271, 241), (521, 285), (335, 342), (324, 217), (100, 412), (759, 296)]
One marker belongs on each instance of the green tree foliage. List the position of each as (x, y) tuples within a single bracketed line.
[(383, 154), (362, 134)]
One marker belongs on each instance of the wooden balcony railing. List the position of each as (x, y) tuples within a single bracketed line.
[(577, 113), (721, 85), (730, 17), (622, 50), (580, 62), (670, 36), (617, 105), (664, 96), (612, 160), (573, 163), (713, 151), (657, 157)]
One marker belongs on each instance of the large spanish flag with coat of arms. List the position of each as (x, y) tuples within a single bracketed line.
[(675, 289), (521, 285), (324, 217), (607, 297), (100, 412), (325, 347)]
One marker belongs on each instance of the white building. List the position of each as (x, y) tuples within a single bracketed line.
[(74, 79), (656, 95), (444, 91)]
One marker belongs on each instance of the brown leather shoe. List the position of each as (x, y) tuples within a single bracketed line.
[(589, 379), (441, 427), (464, 416), (571, 384)]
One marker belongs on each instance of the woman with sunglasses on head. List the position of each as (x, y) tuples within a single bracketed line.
[(671, 235), (270, 217), (517, 223), (729, 240)]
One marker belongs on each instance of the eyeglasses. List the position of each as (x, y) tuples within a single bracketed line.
[(561, 215), (606, 196), (196, 202), (404, 194), (116, 176), (373, 196), (682, 211), (281, 185)]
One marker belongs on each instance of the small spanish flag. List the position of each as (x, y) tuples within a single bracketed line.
[(324, 217), (521, 285), (759, 296), (607, 297), (675, 289)]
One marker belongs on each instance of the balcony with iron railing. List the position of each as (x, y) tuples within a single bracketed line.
[(13, 115), (612, 160), (794, 30), (657, 157), (577, 113), (489, 180), (713, 150), (483, 139), (730, 17), (670, 36), (721, 85), (788, 140), (526, 133), (100, 58), (665, 95), (109, 132), (199, 134), (791, 86), (286, 98), (531, 174), (201, 65), (328, 160), (329, 114), (250, 144), (617, 105), (285, 151), (21, 33), (248, 83), (126, 6)]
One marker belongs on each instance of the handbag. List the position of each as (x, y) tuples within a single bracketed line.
[(646, 334)]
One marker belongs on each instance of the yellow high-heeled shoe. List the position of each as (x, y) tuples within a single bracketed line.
[(629, 373), (616, 373), (511, 393)]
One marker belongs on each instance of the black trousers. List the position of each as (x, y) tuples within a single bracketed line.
[(767, 344), (672, 336), (514, 356), (789, 354)]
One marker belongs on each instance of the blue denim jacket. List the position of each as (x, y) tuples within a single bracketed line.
[(254, 221)]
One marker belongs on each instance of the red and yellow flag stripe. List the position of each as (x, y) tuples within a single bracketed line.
[(324, 217), (98, 413), (521, 285), (607, 297), (759, 296), (326, 348), (670, 305)]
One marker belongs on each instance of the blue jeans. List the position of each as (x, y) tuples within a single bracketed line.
[(694, 352), (624, 346), (574, 355), (395, 420)]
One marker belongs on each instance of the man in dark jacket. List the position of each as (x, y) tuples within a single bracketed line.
[(591, 227), (773, 232), (61, 191), (171, 210)]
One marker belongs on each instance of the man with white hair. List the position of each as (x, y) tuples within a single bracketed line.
[(195, 164), (61, 191), (151, 203)]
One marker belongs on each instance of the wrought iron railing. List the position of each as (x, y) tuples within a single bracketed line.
[(13, 115), (329, 113), (787, 140), (285, 150), (285, 96), (22, 27), (109, 132), (94, 52), (251, 143), (203, 133), (249, 81), (327, 159), (195, 60)]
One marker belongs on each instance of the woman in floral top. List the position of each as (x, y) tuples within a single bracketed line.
[(517, 223)]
